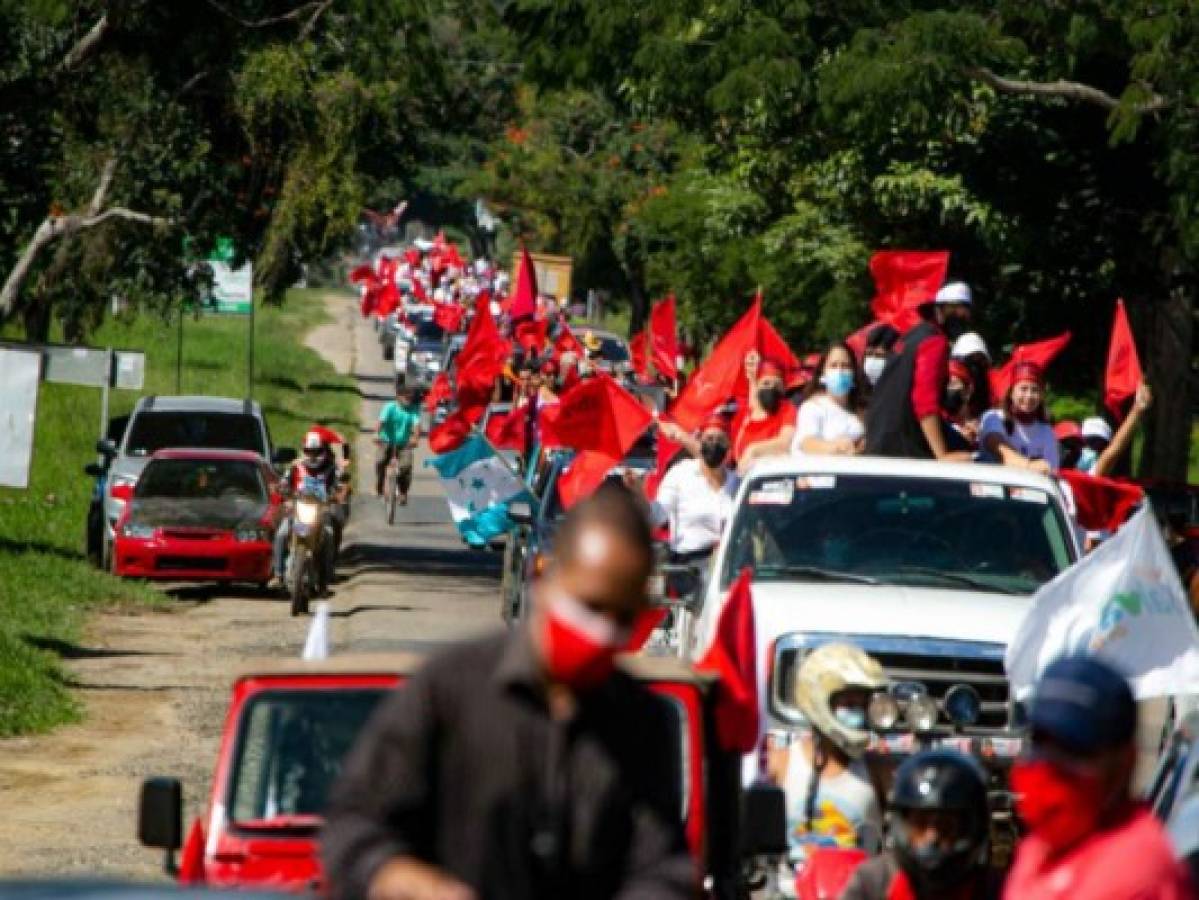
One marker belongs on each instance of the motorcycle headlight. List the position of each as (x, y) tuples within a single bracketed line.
[(139, 532), (307, 512)]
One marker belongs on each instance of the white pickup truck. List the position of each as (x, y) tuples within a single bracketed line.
[(927, 566)]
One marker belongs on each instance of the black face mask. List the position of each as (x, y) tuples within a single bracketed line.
[(955, 326), (713, 453), (769, 397), (954, 401)]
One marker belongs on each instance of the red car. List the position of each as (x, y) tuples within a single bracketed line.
[(200, 515), (289, 725)]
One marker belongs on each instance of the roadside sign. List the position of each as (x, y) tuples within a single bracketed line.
[(553, 274), (93, 367), (232, 289), (20, 371)]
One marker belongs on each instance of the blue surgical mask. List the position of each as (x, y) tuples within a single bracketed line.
[(851, 717), (1087, 459), (838, 383)]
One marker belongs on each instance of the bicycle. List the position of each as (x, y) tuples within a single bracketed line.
[(392, 492)]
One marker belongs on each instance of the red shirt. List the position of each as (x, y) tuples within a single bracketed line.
[(1132, 859), (751, 431), (928, 376)]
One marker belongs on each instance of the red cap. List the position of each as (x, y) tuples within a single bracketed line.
[(770, 367), (716, 421), (812, 361), (958, 369), (1027, 371), (1067, 431), (798, 378)]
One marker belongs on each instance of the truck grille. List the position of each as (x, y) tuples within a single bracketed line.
[(936, 664)]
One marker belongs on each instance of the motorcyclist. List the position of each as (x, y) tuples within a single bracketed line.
[(317, 462), (939, 836), (829, 796)]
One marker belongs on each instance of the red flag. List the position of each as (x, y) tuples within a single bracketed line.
[(566, 341), (364, 275), (523, 303), (456, 428), (722, 375), (585, 473), (665, 451), (903, 280), (389, 298), (481, 359), (1124, 374), (1101, 504), (664, 338), (507, 431), (733, 657), (412, 255), (643, 627), (637, 348), (419, 291), (387, 268), (1040, 352), (596, 414), (451, 257), (448, 315), (439, 390), (531, 334)]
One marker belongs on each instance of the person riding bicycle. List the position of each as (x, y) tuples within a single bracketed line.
[(317, 462), (398, 432), (940, 835)]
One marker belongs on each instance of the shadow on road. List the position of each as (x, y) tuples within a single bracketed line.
[(67, 650), (371, 607), (360, 558)]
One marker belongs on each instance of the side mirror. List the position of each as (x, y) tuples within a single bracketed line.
[(521, 512), (160, 817), (763, 820), (283, 456), (106, 447), (94, 470)]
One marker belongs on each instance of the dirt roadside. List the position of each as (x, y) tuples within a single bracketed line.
[(154, 686)]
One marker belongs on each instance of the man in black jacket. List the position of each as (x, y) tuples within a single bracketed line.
[(525, 765)]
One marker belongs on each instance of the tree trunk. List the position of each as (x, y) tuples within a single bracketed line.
[(633, 264), (35, 318), (1168, 437)]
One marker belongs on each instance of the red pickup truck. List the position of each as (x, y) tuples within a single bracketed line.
[(290, 723)]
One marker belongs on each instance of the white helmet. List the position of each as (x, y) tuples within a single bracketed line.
[(1096, 427), (955, 292), (969, 343), (312, 441), (826, 671)]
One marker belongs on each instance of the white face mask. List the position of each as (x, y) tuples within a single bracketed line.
[(872, 367)]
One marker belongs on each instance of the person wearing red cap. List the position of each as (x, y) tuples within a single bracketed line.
[(828, 417), (1019, 433), (770, 425), (695, 497), (961, 428)]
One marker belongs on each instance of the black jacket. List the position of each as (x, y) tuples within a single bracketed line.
[(891, 425), (464, 768)]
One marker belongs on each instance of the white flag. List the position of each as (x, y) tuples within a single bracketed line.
[(1122, 603), (316, 645)]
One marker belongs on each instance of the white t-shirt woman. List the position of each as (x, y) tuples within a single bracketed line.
[(826, 422)]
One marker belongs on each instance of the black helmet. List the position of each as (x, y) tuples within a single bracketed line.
[(942, 780)]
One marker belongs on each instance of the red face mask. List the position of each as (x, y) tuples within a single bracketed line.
[(579, 645), (1060, 807)]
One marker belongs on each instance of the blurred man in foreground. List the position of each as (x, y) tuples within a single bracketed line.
[(525, 765), (1087, 838)]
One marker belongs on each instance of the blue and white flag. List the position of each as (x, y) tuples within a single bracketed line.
[(479, 487), (1123, 602)]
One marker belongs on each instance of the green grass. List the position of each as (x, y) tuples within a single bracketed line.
[(47, 586)]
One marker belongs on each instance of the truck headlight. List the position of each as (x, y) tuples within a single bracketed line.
[(921, 714), (883, 712), (307, 512), (963, 706)]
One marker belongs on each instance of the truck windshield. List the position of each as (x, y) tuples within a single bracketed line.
[(916, 531), (290, 752), (152, 431)]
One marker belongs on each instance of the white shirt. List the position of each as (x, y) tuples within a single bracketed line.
[(1034, 440), (696, 511), (824, 418)]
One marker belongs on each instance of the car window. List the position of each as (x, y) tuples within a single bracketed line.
[(291, 750), (209, 479), (152, 430), (932, 532), (429, 331), (613, 349)]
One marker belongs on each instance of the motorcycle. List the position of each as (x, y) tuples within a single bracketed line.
[(309, 561)]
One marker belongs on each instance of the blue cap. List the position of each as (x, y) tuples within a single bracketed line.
[(1084, 704)]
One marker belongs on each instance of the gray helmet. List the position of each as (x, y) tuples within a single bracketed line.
[(829, 670)]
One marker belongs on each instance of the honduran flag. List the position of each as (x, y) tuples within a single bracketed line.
[(478, 486)]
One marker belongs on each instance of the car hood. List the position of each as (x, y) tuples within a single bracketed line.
[(862, 610), (220, 514)]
